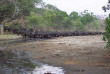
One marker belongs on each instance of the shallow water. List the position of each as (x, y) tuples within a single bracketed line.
[(19, 62), (48, 69)]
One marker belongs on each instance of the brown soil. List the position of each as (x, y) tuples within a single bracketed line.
[(76, 54)]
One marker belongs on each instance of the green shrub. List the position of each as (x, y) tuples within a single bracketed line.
[(106, 36)]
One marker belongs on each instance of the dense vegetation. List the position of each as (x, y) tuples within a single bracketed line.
[(107, 33), (11, 9), (106, 36), (38, 15), (15, 9), (54, 19)]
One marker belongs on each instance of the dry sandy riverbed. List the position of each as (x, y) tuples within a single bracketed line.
[(76, 54)]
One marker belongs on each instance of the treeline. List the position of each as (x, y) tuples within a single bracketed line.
[(49, 17)]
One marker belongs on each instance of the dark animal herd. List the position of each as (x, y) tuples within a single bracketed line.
[(30, 33)]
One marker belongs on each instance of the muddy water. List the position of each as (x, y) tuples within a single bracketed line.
[(19, 62)]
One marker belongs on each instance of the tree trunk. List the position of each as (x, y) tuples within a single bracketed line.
[(1, 29)]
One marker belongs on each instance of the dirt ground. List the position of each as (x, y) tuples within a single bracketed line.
[(76, 54)]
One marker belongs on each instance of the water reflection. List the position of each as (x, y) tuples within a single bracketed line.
[(16, 62), (19, 62)]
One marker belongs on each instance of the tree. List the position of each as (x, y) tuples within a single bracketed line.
[(74, 15), (78, 24), (12, 9), (6, 11), (87, 17), (35, 20), (49, 6), (49, 17), (106, 36)]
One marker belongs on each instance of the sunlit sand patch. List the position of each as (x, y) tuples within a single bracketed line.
[(70, 62), (100, 64)]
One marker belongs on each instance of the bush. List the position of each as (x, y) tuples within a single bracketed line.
[(106, 36)]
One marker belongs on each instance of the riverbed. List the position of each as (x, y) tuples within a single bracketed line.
[(74, 54)]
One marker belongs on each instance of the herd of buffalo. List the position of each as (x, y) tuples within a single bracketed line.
[(30, 33)]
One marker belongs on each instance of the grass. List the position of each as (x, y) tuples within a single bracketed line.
[(9, 36), (2, 36)]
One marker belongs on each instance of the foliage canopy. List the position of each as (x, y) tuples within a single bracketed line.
[(10, 9)]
